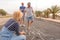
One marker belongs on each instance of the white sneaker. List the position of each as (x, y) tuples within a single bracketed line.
[(20, 25), (23, 25)]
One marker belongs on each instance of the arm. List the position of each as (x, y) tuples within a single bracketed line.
[(32, 10), (17, 29), (25, 10), (20, 8)]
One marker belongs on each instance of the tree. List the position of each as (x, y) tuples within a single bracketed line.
[(3, 12), (46, 13), (38, 13), (54, 10)]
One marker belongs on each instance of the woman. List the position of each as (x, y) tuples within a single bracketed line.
[(29, 15), (10, 30)]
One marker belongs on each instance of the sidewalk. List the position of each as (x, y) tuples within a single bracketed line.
[(49, 19), (3, 20)]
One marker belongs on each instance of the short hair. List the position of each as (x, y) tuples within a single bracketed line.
[(22, 3), (28, 3)]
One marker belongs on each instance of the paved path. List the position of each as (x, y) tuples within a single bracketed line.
[(44, 30)]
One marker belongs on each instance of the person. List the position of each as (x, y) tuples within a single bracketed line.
[(29, 15), (10, 30), (22, 8)]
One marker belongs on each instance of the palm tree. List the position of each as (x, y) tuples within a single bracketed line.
[(54, 10), (38, 13), (46, 13)]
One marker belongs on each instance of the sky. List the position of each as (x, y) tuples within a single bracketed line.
[(13, 5)]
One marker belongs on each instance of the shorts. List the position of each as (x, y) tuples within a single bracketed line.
[(30, 18)]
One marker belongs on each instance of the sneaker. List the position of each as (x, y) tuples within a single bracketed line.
[(20, 25), (23, 25)]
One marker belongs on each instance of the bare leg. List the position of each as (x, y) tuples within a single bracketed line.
[(29, 26)]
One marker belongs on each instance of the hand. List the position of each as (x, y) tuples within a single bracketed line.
[(22, 33)]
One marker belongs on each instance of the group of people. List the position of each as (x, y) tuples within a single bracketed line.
[(10, 30), (28, 11)]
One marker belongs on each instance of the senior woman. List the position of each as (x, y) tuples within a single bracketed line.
[(10, 30)]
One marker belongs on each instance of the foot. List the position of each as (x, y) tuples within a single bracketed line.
[(22, 25)]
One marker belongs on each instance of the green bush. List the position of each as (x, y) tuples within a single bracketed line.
[(3, 12), (38, 13)]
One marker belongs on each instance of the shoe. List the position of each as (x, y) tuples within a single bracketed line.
[(20, 25), (23, 25)]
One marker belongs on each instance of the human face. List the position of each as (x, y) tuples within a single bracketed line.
[(29, 4), (22, 4)]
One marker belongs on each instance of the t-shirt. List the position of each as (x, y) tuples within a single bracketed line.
[(22, 8), (29, 12), (14, 27)]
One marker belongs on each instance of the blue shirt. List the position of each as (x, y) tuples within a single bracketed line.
[(22, 8), (14, 27)]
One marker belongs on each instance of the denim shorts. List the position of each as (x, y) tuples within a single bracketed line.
[(30, 18)]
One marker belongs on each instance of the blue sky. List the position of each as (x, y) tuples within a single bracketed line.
[(12, 5)]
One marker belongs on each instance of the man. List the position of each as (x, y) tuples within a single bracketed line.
[(22, 8)]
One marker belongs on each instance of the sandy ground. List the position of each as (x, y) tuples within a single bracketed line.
[(41, 29)]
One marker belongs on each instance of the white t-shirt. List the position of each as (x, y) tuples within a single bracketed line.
[(29, 12)]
